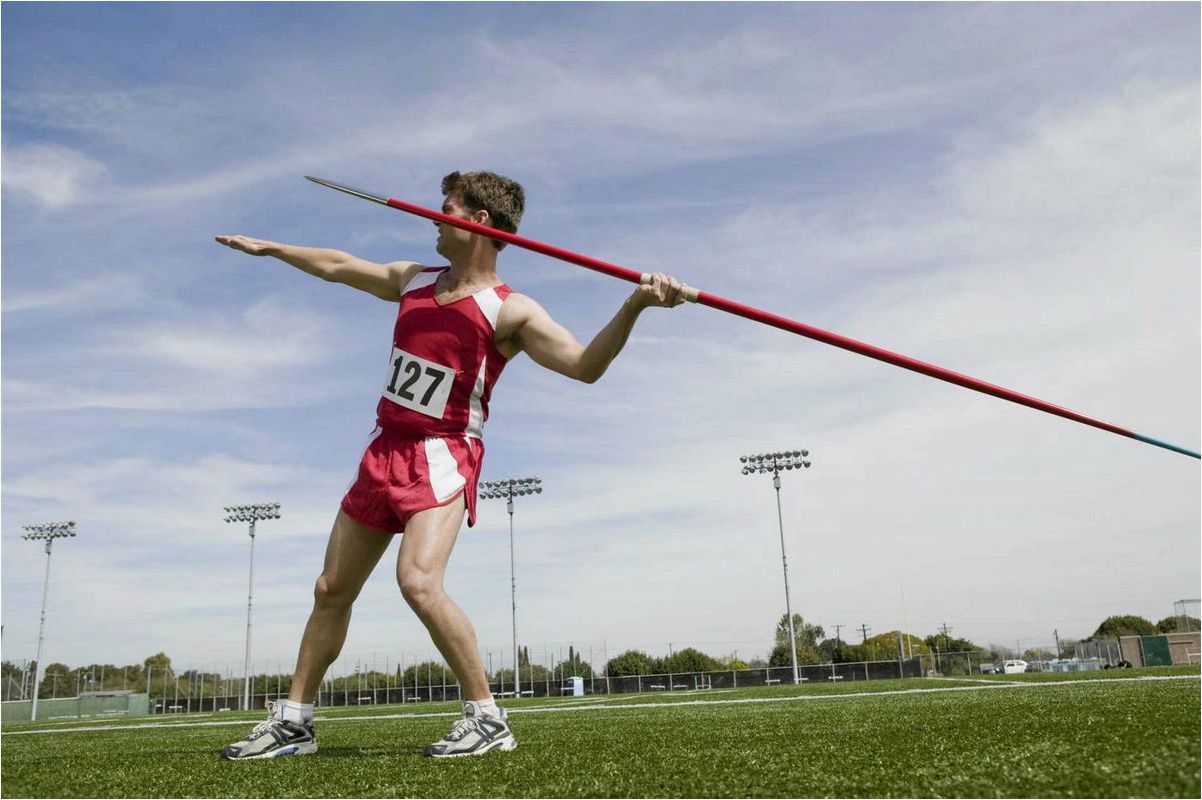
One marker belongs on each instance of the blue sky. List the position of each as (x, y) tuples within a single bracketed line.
[(1010, 191)]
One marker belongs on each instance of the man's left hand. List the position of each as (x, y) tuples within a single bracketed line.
[(663, 290)]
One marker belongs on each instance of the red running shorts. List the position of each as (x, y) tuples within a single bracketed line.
[(400, 476)]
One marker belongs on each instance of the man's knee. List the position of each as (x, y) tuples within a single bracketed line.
[(421, 590), (329, 593)]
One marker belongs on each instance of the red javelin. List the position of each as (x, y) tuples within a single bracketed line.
[(768, 318)]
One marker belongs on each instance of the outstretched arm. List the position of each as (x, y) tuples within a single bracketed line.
[(554, 347), (385, 281)]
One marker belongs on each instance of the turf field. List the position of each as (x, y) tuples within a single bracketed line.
[(1128, 733)]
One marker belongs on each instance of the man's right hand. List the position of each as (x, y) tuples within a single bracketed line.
[(247, 244)]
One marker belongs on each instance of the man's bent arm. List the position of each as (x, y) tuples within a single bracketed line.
[(385, 281), (609, 341), (551, 345)]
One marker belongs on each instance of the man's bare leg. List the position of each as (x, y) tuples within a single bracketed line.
[(352, 553), (421, 564)]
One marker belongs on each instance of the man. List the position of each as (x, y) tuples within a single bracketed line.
[(457, 326)]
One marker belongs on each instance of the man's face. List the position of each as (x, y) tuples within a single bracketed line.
[(452, 240)]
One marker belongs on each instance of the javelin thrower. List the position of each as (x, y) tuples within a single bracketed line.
[(457, 327)]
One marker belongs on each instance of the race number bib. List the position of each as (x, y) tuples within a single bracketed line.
[(417, 384)]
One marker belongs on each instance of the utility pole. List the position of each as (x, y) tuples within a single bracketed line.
[(864, 629), (945, 630), (838, 646), (1056, 636)]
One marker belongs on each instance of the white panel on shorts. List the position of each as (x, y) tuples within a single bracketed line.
[(421, 280), (445, 479), (475, 413), (490, 303)]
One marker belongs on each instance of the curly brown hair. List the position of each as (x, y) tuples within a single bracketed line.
[(503, 198)]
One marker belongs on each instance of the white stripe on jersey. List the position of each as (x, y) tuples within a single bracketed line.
[(475, 414), (445, 479), (421, 280), (490, 304)]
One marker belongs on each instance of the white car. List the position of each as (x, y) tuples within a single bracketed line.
[(1013, 666)]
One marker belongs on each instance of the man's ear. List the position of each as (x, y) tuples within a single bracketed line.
[(481, 217)]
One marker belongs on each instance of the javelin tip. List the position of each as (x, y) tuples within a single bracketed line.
[(348, 190)]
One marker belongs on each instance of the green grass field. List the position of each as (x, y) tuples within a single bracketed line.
[(1129, 733)]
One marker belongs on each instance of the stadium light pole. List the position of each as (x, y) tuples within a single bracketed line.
[(252, 514), (509, 488), (49, 532), (761, 464)]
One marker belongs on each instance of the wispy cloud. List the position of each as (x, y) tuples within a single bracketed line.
[(51, 176), (97, 294), (206, 362)]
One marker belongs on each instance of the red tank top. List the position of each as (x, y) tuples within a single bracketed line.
[(444, 361)]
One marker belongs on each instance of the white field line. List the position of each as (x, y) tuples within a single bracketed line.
[(591, 700), (979, 680), (991, 685)]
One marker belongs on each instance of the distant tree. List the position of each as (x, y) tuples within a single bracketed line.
[(757, 663), (737, 663), (950, 644), (57, 682), (531, 673), (844, 652), (632, 662), (425, 672), (13, 678), (158, 661), (781, 657), (807, 635), (158, 669), (573, 665), (1125, 625), (688, 660), (1171, 624), (883, 647)]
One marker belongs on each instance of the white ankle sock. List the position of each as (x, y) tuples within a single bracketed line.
[(486, 707), (300, 713)]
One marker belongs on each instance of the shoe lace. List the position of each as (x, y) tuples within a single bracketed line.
[(267, 723), (461, 728)]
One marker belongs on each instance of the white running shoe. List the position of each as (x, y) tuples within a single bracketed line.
[(273, 738), (476, 734)]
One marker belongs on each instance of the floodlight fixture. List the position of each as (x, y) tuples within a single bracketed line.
[(47, 532), (507, 489), (251, 513), (775, 463)]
